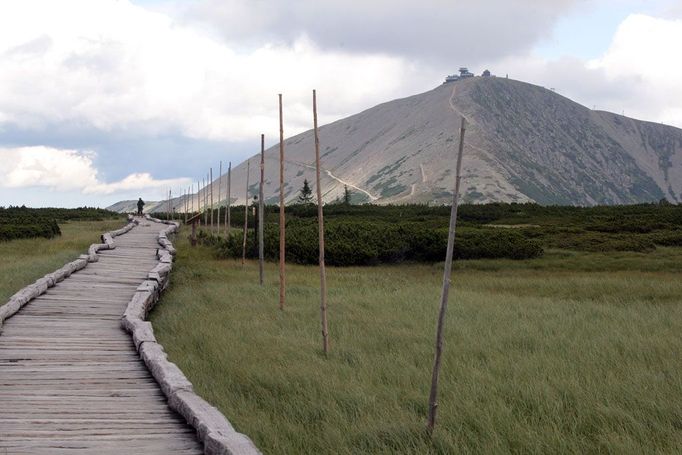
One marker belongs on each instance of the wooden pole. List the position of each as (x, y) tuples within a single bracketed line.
[(282, 220), (219, 191), (447, 273), (246, 212), (203, 199), (210, 180), (320, 222), (228, 221), (261, 214)]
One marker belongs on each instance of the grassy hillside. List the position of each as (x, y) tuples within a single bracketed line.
[(574, 352)]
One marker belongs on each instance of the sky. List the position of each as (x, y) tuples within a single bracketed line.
[(105, 100)]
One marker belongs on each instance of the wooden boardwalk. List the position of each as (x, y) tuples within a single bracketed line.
[(71, 380)]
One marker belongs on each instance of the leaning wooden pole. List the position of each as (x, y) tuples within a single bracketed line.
[(261, 214), (218, 199), (447, 273), (282, 230), (228, 221), (320, 223), (210, 186), (246, 212)]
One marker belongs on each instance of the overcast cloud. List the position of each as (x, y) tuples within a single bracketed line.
[(433, 31), (118, 99)]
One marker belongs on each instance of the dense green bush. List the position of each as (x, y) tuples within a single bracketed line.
[(34, 228), (600, 242), (23, 222), (368, 243), (369, 234)]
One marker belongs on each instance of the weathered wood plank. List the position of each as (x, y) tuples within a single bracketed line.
[(71, 380)]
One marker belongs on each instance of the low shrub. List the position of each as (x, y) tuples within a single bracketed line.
[(36, 228), (365, 243), (23, 222)]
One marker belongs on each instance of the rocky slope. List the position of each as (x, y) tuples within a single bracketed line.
[(523, 143)]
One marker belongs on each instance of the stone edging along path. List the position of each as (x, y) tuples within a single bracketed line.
[(30, 292), (213, 429)]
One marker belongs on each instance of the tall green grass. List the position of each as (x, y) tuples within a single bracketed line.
[(24, 261), (570, 353)]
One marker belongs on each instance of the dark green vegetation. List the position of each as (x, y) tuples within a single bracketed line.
[(23, 261), (23, 222), (572, 352), (369, 234)]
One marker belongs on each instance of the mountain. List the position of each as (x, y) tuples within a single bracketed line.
[(523, 143)]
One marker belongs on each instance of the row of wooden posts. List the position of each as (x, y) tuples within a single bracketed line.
[(204, 200), (208, 201)]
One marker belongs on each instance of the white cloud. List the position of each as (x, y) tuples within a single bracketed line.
[(118, 67), (644, 54), (68, 170), (136, 182), (638, 75), (427, 30)]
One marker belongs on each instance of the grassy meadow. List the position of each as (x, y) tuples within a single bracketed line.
[(573, 352), (23, 261)]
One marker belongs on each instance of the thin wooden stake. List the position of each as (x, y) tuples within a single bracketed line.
[(447, 274), (246, 212), (228, 221), (210, 180), (220, 181), (282, 220), (261, 214), (320, 223), (203, 207)]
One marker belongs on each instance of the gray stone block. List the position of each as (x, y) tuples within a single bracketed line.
[(200, 414), (142, 332), (234, 444), (167, 374)]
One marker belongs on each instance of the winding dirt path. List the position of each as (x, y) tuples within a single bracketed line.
[(332, 176)]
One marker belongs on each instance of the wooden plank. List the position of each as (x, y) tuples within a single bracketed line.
[(71, 380)]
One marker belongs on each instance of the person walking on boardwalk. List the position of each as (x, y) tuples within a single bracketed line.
[(140, 206)]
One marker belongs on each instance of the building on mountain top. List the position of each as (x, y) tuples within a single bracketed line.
[(464, 73), (486, 73)]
